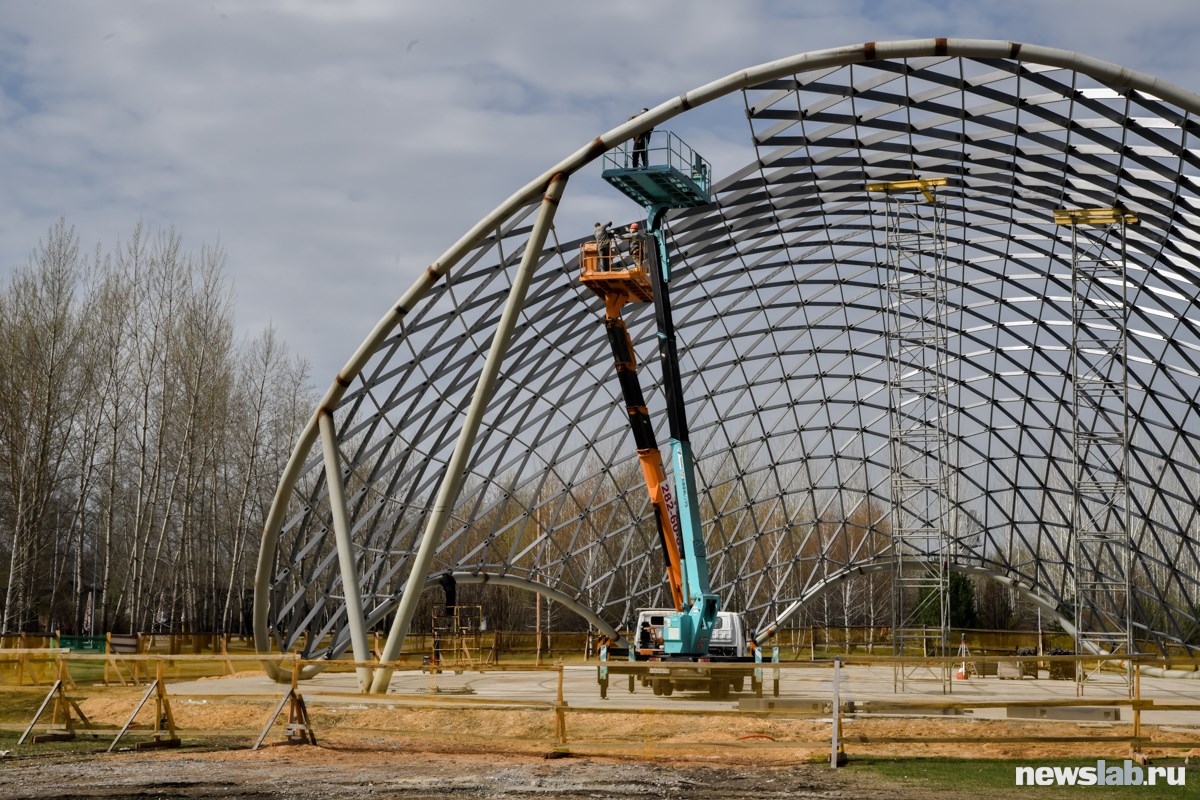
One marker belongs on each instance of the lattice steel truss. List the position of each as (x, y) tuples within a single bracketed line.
[(778, 302), (1101, 546), (917, 359)]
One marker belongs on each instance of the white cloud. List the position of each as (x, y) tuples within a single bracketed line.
[(336, 148)]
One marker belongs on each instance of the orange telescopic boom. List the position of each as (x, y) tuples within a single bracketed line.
[(621, 278)]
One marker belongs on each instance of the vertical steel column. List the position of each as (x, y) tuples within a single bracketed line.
[(451, 483), (355, 620)]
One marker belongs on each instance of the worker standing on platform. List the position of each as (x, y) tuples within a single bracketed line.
[(604, 238), (633, 243), (641, 143)]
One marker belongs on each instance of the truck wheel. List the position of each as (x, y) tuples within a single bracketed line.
[(718, 688), (740, 686), (657, 687), (668, 689)]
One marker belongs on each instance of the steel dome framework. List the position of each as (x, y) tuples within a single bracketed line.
[(779, 295)]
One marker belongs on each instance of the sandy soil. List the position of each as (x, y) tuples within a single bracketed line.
[(734, 739), (369, 751)]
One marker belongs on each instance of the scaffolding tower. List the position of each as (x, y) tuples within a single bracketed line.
[(916, 332), (457, 637), (1101, 549)]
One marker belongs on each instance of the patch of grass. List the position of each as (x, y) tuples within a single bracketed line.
[(84, 744), (17, 706), (94, 744), (983, 778)]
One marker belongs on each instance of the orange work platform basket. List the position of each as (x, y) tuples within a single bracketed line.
[(616, 270)]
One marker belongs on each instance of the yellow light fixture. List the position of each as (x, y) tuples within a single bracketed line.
[(1093, 216), (922, 185)]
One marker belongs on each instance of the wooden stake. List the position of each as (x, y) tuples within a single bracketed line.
[(560, 711), (1137, 709)]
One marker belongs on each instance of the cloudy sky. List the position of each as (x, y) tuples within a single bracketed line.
[(336, 147)]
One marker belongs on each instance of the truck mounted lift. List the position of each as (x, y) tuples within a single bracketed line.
[(635, 268)]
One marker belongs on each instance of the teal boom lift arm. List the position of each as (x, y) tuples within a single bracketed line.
[(689, 632)]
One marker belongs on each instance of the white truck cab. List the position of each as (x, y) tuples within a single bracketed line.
[(729, 638)]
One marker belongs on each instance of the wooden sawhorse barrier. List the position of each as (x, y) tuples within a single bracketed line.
[(299, 727)]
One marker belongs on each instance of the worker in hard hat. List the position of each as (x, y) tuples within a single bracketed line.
[(604, 239), (633, 240)]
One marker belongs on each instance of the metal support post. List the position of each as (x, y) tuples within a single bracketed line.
[(355, 620), (451, 483)]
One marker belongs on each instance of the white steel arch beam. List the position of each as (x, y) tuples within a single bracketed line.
[(567, 602), (1026, 592), (451, 483), (493, 579), (817, 590)]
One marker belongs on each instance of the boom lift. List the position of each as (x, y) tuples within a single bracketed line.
[(635, 268)]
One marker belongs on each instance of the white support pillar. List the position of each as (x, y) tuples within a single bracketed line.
[(345, 549), (451, 485)]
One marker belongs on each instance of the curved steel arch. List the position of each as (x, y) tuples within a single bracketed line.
[(778, 304), (568, 602), (831, 582)]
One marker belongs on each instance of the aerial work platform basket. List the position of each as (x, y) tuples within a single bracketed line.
[(657, 170), (671, 174), (618, 269)]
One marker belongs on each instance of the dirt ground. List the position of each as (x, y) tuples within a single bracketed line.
[(337, 773), (368, 751), (733, 739)]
